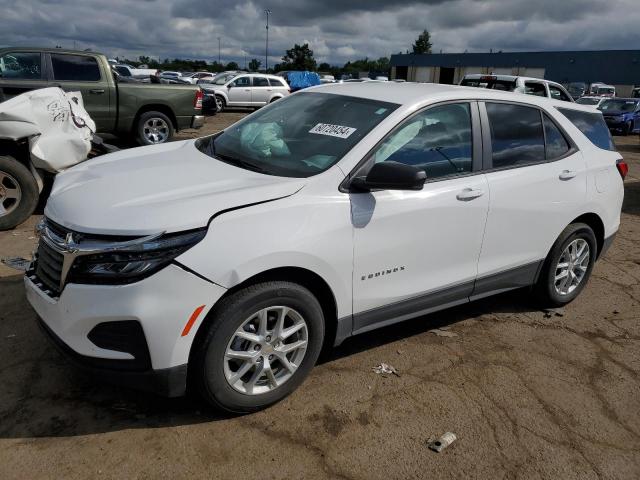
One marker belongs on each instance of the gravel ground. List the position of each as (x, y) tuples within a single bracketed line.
[(530, 394)]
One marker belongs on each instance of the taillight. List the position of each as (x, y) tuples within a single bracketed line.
[(197, 101), (622, 167)]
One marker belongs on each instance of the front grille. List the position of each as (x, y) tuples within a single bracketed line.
[(48, 266)]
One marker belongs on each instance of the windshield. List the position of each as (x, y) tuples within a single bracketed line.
[(606, 90), (618, 106), (299, 136), (588, 101), (493, 84), (223, 78)]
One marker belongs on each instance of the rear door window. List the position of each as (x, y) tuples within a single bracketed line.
[(592, 125), (260, 82), (76, 68), (21, 66), (517, 136), (556, 144)]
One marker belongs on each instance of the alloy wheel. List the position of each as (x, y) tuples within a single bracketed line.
[(10, 194), (266, 350), (156, 130), (572, 266)]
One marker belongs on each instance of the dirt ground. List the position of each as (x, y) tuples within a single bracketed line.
[(529, 394)]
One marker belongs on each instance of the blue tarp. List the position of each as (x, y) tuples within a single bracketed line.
[(300, 80)]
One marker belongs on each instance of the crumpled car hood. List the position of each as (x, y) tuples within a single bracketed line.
[(163, 188)]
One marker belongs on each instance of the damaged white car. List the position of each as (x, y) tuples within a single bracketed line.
[(42, 132)]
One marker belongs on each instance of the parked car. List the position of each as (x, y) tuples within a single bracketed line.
[(622, 114), (232, 259), (510, 83), (150, 113), (599, 89), (244, 90), (594, 101), (577, 89), (636, 92), (194, 78)]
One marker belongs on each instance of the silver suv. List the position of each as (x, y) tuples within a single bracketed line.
[(246, 90)]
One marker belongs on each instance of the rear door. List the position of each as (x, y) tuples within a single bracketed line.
[(21, 72), (537, 180), (83, 73), (261, 90)]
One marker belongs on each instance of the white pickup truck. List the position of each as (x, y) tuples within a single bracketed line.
[(512, 83)]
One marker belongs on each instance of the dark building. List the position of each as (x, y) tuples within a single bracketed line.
[(620, 68)]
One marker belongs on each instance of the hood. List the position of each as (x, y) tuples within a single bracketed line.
[(163, 188)]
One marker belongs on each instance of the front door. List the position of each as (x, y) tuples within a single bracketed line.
[(415, 250), (239, 93), (21, 72), (76, 72)]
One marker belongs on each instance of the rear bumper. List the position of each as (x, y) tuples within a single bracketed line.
[(198, 121), (607, 244), (191, 121), (168, 382)]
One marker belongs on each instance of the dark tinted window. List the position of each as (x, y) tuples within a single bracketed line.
[(558, 94), (437, 140), (260, 82), (557, 145), (275, 82), (75, 67), (21, 65), (592, 125), (516, 134), (504, 85), (535, 88), (124, 71)]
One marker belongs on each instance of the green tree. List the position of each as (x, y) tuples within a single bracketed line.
[(254, 65), (422, 43), (324, 67), (231, 66), (144, 60), (300, 57)]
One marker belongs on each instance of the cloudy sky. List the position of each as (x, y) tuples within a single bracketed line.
[(336, 30)]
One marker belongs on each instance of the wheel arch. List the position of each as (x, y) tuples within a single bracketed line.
[(317, 285), (155, 107), (596, 224)]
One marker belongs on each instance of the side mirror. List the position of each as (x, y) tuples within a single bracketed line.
[(230, 85), (391, 176)]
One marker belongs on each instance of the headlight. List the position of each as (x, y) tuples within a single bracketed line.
[(132, 263)]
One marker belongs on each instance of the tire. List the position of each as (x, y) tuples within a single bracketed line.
[(275, 99), (220, 104), (212, 366), (18, 193), (154, 128), (551, 294)]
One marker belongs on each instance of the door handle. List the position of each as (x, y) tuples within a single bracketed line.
[(567, 175), (247, 90), (469, 194), (97, 91)]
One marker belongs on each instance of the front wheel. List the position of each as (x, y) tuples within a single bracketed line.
[(18, 193), (259, 346), (568, 266), (154, 128)]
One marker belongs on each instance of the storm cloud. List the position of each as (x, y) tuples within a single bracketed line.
[(336, 30)]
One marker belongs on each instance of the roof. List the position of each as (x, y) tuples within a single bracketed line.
[(415, 94), (475, 76), (618, 67), (48, 50)]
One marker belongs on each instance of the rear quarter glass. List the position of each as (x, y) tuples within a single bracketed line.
[(592, 125)]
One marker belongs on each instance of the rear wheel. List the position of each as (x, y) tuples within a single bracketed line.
[(154, 128), (568, 266), (260, 345), (18, 193)]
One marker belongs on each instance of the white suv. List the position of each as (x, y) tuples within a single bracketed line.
[(246, 90), (232, 259)]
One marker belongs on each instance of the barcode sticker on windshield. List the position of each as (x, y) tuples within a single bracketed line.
[(332, 130)]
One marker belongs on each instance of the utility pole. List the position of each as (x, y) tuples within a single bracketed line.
[(266, 50), (218, 49)]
